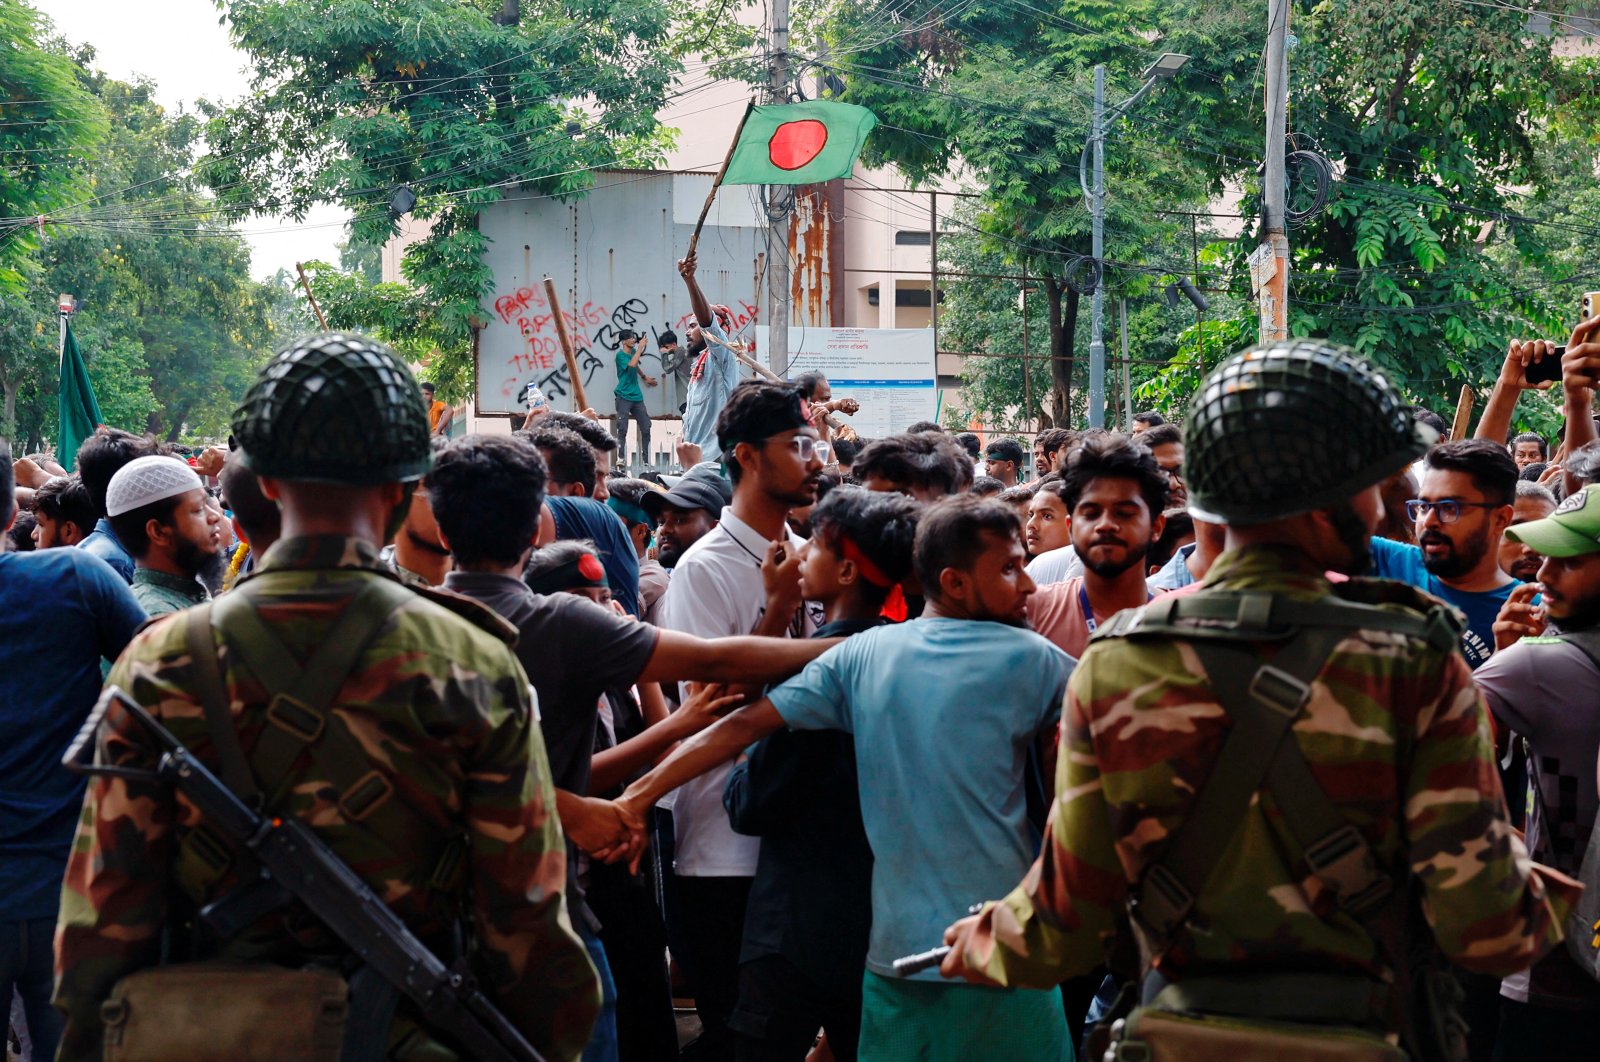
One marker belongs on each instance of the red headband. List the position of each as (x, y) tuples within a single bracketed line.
[(894, 606)]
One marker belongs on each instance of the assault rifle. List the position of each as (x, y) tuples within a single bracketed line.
[(297, 865)]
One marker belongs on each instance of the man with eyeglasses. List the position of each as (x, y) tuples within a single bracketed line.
[(1165, 443), (1463, 507), (720, 587)]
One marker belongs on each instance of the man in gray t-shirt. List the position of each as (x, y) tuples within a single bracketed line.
[(1546, 688)]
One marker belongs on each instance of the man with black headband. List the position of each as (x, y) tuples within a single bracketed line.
[(775, 459)]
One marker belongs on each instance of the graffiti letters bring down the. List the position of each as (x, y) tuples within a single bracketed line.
[(611, 254), (596, 338)]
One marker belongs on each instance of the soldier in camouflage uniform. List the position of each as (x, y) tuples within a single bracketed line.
[(1287, 445), (428, 778)]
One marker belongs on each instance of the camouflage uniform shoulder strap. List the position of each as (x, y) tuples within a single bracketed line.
[(1225, 630), (1255, 615), (299, 720)]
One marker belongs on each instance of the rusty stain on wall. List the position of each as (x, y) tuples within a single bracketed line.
[(811, 238)]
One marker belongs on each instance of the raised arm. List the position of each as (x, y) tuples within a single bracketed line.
[(1495, 424), (697, 298), (1580, 373)]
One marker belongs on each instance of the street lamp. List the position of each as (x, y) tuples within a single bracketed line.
[(1163, 68)]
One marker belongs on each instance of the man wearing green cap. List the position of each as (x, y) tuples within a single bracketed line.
[(1546, 688), (396, 723)]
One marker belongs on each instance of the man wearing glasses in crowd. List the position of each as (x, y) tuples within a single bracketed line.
[(1463, 507)]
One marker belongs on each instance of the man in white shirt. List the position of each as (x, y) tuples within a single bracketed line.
[(774, 459)]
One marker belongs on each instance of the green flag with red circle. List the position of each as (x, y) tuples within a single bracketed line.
[(799, 143)]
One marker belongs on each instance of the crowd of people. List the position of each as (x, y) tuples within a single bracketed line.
[(750, 734)]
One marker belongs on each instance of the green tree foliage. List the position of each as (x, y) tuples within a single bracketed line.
[(398, 314), (1432, 113), (47, 116), (454, 100), (170, 321), (1003, 88)]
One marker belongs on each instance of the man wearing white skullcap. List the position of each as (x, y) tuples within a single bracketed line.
[(157, 506)]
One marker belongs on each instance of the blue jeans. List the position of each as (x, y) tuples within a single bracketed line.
[(27, 962), (602, 1045)]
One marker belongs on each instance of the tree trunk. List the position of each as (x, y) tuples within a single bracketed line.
[(8, 419), (1063, 320)]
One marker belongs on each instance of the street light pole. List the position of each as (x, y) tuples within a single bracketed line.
[(1162, 68), (780, 204), (1273, 293), (1097, 339)]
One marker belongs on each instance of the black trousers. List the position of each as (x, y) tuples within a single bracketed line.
[(709, 917), (636, 950), (780, 1010), (1542, 1034)]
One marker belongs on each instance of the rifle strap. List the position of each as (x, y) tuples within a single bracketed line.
[(1263, 701)]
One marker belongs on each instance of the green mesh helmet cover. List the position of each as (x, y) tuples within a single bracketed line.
[(1288, 427), (335, 408)]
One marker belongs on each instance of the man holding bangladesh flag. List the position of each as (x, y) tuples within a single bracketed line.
[(787, 144)]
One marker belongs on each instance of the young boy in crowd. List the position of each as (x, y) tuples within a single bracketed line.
[(810, 907), (935, 706)]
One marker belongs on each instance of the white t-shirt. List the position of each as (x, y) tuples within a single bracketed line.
[(1055, 566), (717, 591)]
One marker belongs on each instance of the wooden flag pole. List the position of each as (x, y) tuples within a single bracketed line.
[(578, 397), (694, 237), (299, 267), (1458, 430)]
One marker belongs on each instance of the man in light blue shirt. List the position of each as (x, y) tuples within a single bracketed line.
[(715, 371), (1462, 509), (943, 710)]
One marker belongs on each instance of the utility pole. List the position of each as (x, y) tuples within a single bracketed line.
[(1270, 263), (1097, 339), (1127, 375), (780, 204)]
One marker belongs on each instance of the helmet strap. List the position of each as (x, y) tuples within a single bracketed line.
[(1353, 534), (397, 519)]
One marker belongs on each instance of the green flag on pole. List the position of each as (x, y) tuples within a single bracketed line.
[(77, 410), (799, 143)]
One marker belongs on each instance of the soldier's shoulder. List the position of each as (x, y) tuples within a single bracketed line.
[(475, 613), (1441, 624)]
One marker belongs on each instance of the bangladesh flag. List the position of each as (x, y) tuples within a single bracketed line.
[(799, 143), (78, 412)]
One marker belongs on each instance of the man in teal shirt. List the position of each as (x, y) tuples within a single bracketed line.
[(630, 400)]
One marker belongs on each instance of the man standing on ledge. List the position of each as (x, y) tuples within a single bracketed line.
[(630, 400)]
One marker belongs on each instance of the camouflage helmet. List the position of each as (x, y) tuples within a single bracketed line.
[(334, 408), (1287, 427)]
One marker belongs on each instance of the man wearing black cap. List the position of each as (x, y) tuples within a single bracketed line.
[(689, 509), (630, 400), (774, 458)]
